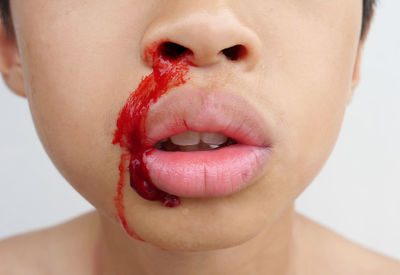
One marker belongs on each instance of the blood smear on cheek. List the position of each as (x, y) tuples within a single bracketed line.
[(130, 132)]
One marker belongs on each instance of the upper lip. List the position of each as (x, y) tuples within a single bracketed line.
[(205, 110)]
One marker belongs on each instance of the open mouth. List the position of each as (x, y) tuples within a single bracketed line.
[(204, 143), (194, 141)]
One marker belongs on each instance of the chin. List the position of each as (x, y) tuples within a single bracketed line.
[(202, 241), (198, 224)]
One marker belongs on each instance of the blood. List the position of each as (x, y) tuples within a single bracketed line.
[(131, 131)]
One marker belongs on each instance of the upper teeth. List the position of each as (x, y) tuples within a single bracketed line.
[(194, 138)]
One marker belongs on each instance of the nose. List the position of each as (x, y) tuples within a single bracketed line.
[(206, 38)]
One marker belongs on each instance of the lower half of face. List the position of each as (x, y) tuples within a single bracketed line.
[(285, 90)]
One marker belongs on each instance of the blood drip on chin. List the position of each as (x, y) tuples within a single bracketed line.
[(130, 133)]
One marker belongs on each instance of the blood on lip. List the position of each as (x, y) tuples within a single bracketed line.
[(130, 132)]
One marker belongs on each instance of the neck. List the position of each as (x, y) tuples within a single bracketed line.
[(270, 252)]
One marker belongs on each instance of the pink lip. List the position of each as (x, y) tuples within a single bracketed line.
[(212, 173)]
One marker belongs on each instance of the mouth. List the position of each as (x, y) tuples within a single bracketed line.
[(204, 143)]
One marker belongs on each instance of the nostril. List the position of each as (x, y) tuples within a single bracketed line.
[(172, 50), (235, 53)]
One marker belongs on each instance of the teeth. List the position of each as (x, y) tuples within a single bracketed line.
[(187, 138), (213, 138), (194, 140)]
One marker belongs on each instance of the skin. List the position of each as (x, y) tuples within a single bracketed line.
[(77, 61)]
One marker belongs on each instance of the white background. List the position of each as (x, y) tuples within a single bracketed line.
[(357, 193)]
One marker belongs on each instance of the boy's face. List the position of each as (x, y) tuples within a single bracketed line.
[(82, 58)]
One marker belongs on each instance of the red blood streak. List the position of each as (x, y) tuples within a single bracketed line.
[(130, 132)]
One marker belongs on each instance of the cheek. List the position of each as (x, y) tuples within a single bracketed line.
[(307, 81), (75, 74), (77, 135)]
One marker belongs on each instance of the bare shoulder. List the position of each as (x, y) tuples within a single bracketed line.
[(48, 251), (322, 251)]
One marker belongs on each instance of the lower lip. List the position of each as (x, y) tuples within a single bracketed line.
[(213, 173)]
